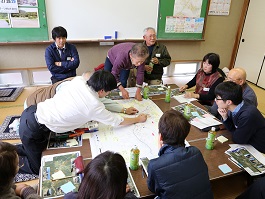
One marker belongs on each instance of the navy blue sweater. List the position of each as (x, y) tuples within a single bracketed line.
[(247, 127), (68, 68), (179, 172)]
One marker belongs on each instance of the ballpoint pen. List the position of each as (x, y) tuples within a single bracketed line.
[(143, 172)]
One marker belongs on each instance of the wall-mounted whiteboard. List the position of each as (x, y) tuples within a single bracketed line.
[(94, 19)]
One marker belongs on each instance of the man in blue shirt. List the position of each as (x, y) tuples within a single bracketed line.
[(62, 58)]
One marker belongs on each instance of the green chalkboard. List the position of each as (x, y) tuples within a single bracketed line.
[(166, 12), (17, 34)]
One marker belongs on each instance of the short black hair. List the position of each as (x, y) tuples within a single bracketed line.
[(174, 128), (102, 79), (213, 59), (59, 31), (229, 91)]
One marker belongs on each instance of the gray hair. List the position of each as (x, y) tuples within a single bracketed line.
[(148, 28), (139, 50)]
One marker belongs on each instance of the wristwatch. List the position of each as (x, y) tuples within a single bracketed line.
[(124, 110)]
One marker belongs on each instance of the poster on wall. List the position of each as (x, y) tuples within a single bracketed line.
[(26, 15), (8, 6), (186, 17), (219, 7)]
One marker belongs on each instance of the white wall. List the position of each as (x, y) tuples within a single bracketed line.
[(93, 19)]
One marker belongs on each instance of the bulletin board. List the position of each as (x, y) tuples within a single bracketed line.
[(21, 27), (182, 19)]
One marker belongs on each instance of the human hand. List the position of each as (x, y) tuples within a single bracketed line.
[(72, 59), (223, 112), (148, 68), (124, 93), (142, 118), (58, 63), (128, 189), (19, 189), (155, 60), (138, 96), (131, 111), (189, 95), (183, 88)]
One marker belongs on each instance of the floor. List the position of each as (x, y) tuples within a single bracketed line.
[(223, 189)]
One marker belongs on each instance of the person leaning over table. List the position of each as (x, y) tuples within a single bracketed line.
[(69, 109), (158, 55), (62, 58), (9, 165), (180, 171), (105, 177), (123, 57), (241, 119), (206, 79), (48, 92), (238, 75)]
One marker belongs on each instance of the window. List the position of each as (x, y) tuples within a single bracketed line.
[(41, 77), (11, 78), (182, 68)]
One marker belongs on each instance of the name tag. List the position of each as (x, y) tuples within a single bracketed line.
[(68, 58), (206, 89), (158, 55)]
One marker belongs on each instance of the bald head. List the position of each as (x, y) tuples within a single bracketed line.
[(237, 75)]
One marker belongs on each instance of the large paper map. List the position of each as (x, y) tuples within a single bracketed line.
[(187, 8), (123, 138)]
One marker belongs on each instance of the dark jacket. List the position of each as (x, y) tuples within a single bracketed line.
[(73, 195), (68, 68), (179, 172), (164, 60), (247, 127)]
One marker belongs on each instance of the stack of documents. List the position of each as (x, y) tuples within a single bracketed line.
[(248, 158), (199, 117)]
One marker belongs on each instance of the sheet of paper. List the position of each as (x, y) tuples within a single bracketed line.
[(131, 91), (58, 175), (182, 99), (225, 168), (248, 158), (68, 187), (123, 138), (222, 139), (202, 123)]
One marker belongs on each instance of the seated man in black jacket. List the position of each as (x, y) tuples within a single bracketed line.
[(179, 171)]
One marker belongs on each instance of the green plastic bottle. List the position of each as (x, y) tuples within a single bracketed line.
[(146, 91), (210, 139), (168, 94), (187, 111), (134, 158), (151, 64)]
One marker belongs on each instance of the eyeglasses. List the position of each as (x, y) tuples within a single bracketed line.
[(151, 36), (218, 99)]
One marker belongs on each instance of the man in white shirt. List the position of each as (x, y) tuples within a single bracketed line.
[(69, 109)]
